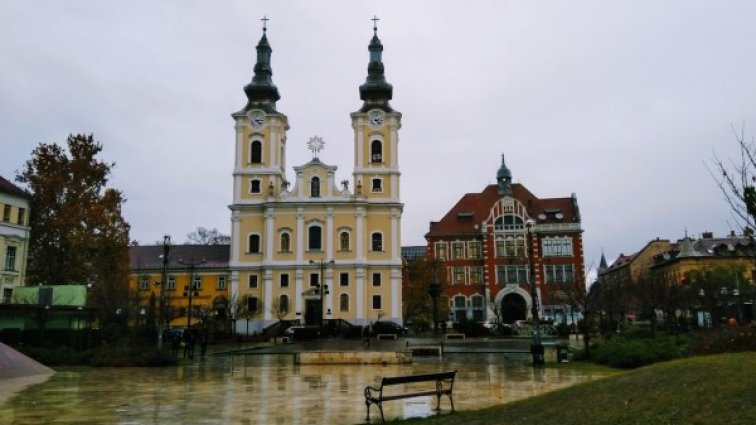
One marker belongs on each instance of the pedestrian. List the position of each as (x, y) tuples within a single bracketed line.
[(366, 331), (175, 343), (203, 343)]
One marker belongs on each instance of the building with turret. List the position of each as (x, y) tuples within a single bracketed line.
[(491, 245), (316, 248)]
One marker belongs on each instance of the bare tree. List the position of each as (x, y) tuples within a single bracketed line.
[(736, 179), (204, 236)]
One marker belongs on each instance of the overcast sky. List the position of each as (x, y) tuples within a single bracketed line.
[(621, 103)]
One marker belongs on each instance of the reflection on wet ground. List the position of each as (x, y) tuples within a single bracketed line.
[(267, 389)]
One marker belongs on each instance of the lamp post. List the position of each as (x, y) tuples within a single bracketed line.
[(322, 288), (536, 349), (164, 278), (435, 291), (190, 290)]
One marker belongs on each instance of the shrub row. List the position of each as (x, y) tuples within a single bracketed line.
[(631, 353)]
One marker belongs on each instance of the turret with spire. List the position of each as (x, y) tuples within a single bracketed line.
[(376, 92), (261, 92), (504, 178)]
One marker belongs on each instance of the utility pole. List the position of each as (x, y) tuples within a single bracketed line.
[(162, 314), (536, 349), (190, 290)]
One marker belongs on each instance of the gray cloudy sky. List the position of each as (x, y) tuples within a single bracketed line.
[(621, 103)]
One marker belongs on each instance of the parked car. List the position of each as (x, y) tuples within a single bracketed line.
[(388, 328)]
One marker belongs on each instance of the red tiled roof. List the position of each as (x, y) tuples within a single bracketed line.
[(474, 208), (11, 189)]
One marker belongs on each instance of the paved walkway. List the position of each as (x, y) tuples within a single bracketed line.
[(472, 345)]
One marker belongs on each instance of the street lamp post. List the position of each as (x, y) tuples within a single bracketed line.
[(322, 288), (536, 349), (435, 291), (164, 277), (190, 290)]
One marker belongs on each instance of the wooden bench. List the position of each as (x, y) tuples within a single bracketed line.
[(444, 384)]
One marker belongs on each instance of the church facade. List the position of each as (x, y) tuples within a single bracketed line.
[(315, 249)]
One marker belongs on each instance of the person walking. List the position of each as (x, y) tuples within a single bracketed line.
[(367, 330)]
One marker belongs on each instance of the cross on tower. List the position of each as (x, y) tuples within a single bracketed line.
[(265, 23), (375, 24)]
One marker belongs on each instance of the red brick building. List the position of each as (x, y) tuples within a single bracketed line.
[(488, 243)]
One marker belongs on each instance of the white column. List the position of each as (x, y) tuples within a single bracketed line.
[(329, 233), (360, 234), (269, 234), (267, 294), (298, 304), (235, 236), (272, 148), (396, 291), (300, 184), (396, 248), (360, 301), (300, 234)]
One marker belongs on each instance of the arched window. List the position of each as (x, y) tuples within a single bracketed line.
[(285, 242), (344, 241), (283, 304), (376, 151), (253, 244), (315, 187), (314, 242), (377, 242), (343, 302), (255, 152), (509, 222)]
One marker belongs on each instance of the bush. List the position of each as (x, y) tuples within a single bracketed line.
[(639, 330), (725, 339), (55, 355), (624, 353)]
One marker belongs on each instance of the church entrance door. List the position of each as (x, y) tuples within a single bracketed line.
[(313, 312)]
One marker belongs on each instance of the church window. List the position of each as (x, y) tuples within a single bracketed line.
[(376, 279), (283, 305), (314, 279), (285, 242), (376, 151), (253, 244), (343, 302), (284, 280), (344, 279), (254, 186), (377, 242), (377, 305), (252, 281), (314, 242), (344, 241), (377, 185), (315, 187), (255, 152), (252, 304)]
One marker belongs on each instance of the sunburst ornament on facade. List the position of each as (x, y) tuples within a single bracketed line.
[(315, 145)]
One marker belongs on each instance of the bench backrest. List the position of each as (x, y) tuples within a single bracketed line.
[(395, 380)]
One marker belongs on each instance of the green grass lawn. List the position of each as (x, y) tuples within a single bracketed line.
[(718, 389)]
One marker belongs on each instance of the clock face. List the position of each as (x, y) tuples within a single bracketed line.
[(375, 119), (257, 118)]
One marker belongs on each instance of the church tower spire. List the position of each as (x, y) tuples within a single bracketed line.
[(261, 92), (376, 92)]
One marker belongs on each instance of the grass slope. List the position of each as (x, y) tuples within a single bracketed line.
[(717, 389)]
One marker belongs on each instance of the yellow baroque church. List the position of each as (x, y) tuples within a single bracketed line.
[(315, 250)]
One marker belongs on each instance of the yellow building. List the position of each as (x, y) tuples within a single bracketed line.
[(316, 248), (14, 237), (206, 266)]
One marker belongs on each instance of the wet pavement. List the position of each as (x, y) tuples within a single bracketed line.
[(266, 388)]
